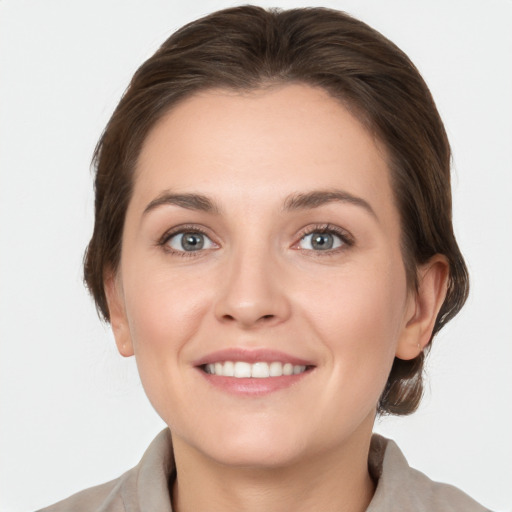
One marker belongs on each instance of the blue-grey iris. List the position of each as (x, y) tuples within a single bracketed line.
[(192, 241), (322, 241)]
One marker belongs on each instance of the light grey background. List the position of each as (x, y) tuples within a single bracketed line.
[(73, 413)]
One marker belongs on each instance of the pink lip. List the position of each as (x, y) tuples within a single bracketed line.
[(250, 356), (251, 386)]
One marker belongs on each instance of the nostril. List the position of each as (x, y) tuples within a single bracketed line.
[(248, 320)]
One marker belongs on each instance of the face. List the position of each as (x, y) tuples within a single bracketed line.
[(261, 284)]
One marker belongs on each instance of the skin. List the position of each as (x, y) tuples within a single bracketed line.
[(260, 284)]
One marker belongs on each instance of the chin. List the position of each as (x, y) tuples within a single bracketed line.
[(257, 455), (255, 446)]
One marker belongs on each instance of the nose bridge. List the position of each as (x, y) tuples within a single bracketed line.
[(252, 293)]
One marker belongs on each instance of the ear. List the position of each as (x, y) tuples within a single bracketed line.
[(117, 313), (424, 305)]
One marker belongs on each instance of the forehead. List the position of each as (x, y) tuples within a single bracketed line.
[(260, 144)]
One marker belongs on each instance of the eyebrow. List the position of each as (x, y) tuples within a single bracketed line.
[(317, 198), (188, 201), (298, 201)]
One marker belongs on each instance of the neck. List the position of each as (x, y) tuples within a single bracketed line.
[(334, 481)]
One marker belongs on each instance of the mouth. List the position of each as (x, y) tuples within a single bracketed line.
[(256, 370), (245, 372)]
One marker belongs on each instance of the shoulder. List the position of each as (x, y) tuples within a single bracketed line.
[(400, 487), (107, 497), (144, 487)]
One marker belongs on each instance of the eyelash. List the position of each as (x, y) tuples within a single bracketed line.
[(345, 237), (164, 240)]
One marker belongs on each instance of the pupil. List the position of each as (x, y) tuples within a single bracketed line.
[(192, 241), (322, 241)]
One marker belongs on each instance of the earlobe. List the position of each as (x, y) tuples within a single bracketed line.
[(424, 307), (117, 313)]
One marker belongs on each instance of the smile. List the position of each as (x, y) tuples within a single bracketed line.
[(256, 370)]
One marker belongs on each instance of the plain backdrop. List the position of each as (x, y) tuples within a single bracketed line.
[(73, 413)]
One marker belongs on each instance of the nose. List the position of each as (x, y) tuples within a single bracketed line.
[(253, 292)]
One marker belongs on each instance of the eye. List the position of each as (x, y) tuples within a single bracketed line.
[(320, 241), (189, 241)]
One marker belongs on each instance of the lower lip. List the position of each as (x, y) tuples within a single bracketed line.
[(253, 386)]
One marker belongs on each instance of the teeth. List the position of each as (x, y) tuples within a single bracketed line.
[(288, 369), (241, 370), (228, 369), (258, 370), (275, 369)]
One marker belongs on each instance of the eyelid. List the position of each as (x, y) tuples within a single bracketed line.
[(181, 229), (345, 236)]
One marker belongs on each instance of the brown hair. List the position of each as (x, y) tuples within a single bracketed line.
[(248, 47)]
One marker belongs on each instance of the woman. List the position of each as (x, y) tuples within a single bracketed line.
[(273, 243)]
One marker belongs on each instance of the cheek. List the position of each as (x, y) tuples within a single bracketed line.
[(359, 317), (163, 309)]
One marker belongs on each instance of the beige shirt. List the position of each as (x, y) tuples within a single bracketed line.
[(145, 488)]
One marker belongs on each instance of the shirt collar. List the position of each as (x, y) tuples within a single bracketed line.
[(398, 487)]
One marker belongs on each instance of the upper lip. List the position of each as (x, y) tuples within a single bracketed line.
[(251, 356)]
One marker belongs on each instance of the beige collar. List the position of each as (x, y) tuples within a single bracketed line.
[(399, 487)]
